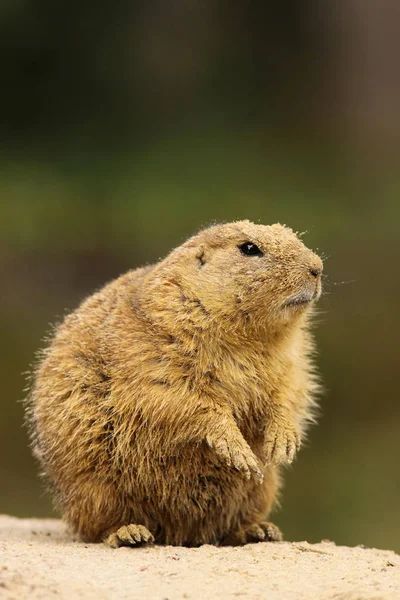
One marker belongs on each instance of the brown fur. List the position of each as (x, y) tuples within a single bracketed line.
[(167, 401)]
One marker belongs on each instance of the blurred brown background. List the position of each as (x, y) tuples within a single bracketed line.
[(126, 126)]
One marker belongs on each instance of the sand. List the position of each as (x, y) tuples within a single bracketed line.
[(39, 560)]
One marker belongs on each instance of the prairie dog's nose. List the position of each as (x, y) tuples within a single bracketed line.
[(315, 271), (316, 267)]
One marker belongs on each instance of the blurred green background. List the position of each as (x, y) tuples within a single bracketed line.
[(126, 126)]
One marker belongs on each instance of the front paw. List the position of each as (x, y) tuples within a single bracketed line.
[(281, 444), (236, 453)]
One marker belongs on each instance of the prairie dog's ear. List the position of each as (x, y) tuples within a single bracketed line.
[(200, 255)]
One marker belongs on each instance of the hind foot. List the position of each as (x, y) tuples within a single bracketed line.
[(129, 535), (253, 533)]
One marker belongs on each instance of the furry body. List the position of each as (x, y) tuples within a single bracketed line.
[(169, 399)]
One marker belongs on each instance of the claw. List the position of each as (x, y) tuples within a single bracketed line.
[(238, 454), (281, 445), (129, 535)]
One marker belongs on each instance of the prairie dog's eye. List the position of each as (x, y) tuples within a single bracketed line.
[(250, 249)]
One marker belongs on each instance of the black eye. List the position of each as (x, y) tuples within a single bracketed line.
[(249, 249)]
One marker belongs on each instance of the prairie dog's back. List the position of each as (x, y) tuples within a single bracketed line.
[(78, 364)]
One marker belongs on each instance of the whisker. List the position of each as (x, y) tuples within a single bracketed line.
[(344, 282)]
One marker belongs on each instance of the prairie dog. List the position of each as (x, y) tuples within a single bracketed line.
[(166, 403)]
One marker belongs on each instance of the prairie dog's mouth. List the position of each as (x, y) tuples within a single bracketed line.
[(302, 298)]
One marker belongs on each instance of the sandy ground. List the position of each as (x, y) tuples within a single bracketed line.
[(39, 560)]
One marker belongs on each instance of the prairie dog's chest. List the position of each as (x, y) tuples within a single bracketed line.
[(252, 379)]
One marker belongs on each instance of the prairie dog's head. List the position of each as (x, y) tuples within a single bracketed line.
[(243, 272)]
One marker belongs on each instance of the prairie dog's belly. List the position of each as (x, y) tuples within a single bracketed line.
[(190, 498)]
